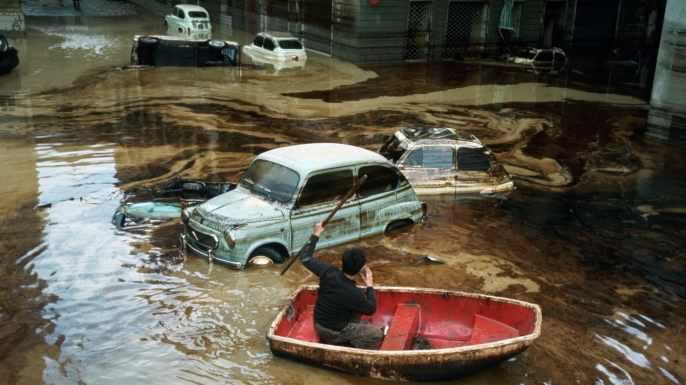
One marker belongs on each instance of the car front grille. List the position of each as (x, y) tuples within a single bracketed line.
[(201, 240)]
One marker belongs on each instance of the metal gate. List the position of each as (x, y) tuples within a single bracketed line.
[(418, 31), (318, 25), (277, 10), (465, 28)]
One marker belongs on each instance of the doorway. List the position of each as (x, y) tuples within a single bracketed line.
[(418, 44)]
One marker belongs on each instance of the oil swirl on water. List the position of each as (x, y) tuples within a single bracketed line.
[(594, 234)]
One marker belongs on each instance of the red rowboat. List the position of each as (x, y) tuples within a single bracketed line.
[(433, 334)]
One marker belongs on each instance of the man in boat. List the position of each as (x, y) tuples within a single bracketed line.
[(340, 303)]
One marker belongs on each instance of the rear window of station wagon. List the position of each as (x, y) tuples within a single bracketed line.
[(290, 44), (472, 159)]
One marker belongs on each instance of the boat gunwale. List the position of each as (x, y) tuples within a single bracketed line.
[(525, 339)]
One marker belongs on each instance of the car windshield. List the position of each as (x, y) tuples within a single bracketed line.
[(197, 15), (271, 180), (290, 44)]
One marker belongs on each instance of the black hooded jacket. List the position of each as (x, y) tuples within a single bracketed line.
[(339, 300)]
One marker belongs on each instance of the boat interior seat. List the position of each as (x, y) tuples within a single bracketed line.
[(303, 329), (451, 334), (487, 330), (403, 328), (446, 334)]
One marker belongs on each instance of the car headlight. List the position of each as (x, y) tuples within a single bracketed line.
[(230, 240)]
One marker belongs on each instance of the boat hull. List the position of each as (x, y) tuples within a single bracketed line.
[(406, 365)]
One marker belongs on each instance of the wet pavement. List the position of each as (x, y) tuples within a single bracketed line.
[(595, 232)]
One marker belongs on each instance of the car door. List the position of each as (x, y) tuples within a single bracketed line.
[(430, 169), (269, 47), (317, 198), (255, 49), (179, 22), (377, 193), (473, 170)]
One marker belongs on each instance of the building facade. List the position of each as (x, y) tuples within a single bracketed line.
[(388, 31), (11, 16)]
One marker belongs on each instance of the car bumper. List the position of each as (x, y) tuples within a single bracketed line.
[(189, 241)]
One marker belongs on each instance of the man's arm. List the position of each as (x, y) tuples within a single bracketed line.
[(366, 301), (306, 253)]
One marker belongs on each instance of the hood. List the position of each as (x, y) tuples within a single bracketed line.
[(240, 206)]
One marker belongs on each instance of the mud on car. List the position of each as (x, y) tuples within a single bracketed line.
[(285, 191), (441, 161)]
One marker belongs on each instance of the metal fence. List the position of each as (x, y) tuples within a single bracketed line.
[(465, 28), (418, 44)]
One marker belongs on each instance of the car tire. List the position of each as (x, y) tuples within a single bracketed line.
[(395, 225), (268, 252), (118, 219)]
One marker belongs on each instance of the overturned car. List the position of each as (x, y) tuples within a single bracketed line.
[(174, 51), (170, 199), (9, 58), (441, 161), (551, 60), (286, 191)]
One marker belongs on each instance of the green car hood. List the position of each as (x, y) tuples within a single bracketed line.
[(240, 206)]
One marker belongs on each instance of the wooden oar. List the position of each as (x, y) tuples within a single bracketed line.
[(347, 196)]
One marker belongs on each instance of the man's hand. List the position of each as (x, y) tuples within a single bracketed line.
[(318, 229), (367, 276)]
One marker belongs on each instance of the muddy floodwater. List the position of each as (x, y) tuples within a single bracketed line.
[(595, 232)]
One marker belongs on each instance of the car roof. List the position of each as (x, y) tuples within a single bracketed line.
[(191, 7), (416, 136), (444, 142), (307, 158), (278, 35)]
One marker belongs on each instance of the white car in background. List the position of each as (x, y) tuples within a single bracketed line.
[(280, 49), (190, 22)]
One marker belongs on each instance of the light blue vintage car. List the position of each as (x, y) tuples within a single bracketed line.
[(286, 191)]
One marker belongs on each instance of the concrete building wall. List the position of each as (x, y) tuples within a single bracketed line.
[(531, 24), (11, 16)]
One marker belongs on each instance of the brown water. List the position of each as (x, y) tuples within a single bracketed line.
[(594, 234)]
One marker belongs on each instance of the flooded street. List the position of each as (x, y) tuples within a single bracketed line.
[(595, 232)]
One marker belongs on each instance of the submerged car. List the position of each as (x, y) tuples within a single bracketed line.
[(170, 199), (9, 57), (286, 191), (552, 60), (159, 50), (278, 49), (441, 161), (189, 21)]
